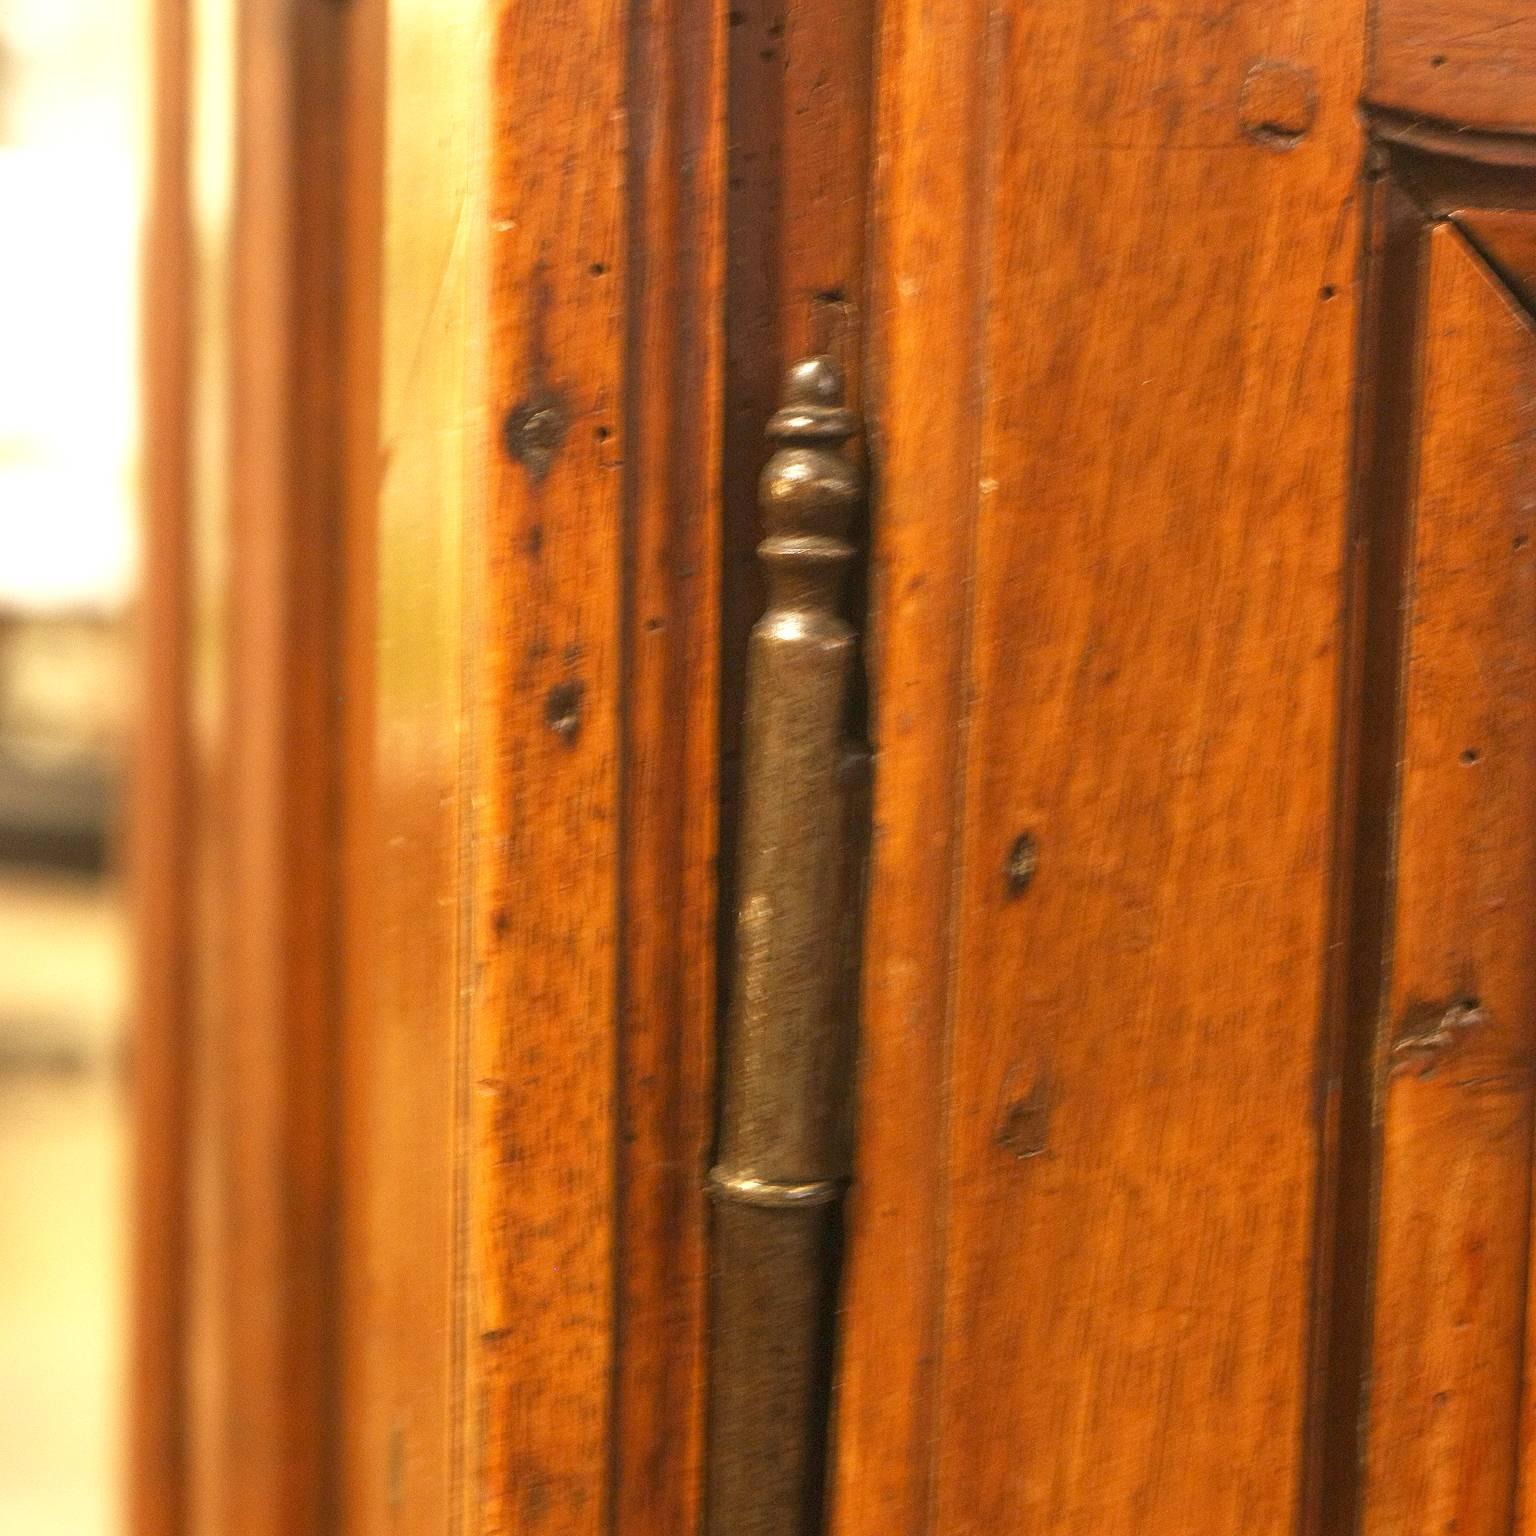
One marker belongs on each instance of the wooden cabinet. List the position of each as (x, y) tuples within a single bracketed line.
[(1192, 1130)]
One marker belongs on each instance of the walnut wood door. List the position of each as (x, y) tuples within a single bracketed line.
[(1194, 1176), (1192, 355)]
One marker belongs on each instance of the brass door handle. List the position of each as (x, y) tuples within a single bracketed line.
[(781, 1162)]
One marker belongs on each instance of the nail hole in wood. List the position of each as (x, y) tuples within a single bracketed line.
[(1023, 858), (562, 710)]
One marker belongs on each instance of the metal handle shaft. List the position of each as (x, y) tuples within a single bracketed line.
[(781, 1158)]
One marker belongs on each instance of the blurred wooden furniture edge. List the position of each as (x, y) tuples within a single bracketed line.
[(159, 811), (340, 622), (235, 849)]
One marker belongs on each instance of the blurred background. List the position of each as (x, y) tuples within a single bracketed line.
[(72, 120)]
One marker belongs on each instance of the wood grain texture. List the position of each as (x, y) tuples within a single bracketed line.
[(416, 216), (594, 709), (923, 415), (1466, 63), (160, 804), (1505, 239), (665, 1005), (1168, 243), (1457, 1044), (1386, 394), (547, 785), (268, 1437)]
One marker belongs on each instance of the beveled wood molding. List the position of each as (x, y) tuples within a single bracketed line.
[(1451, 140)]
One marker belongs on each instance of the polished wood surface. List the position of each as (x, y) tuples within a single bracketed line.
[(416, 198), (1505, 239), (1459, 63), (593, 712), (160, 802), (1455, 1177), (242, 512), (922, 418), (546, 719), (266, 1250), (670, 444), (1136, 1163), (1127, 1161), (1193, 1144)]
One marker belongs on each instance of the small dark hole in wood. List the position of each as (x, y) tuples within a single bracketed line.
[(602, 434), (1470, 756), (597, 269), (1436, 61), (1326, 292), (562, 710), (1023, 859), (1521, 540)]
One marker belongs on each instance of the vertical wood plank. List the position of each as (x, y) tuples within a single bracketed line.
[(665, 1006), (1385, 409), (1128, 1176), (923, 410), (260, 933), (160, 807), (279, 849), (1165, 485), (417, 194), (1457, 1046), (545, 940)]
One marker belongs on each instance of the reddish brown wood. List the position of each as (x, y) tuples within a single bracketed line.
[(923, 417), (1461, 63), (1457, 1043), (1506, 240), (547, 798), (665, 1004), (160, 812), (412, 192), (595, 726), (1371, 639), (241, 1227), (1167, 248), (275, 846)]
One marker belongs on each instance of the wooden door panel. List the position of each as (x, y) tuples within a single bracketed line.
[(1195, 1133), (923, 409), (1134, 1153), (1129, 1182), (1457, 1048), (1456, 63)]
